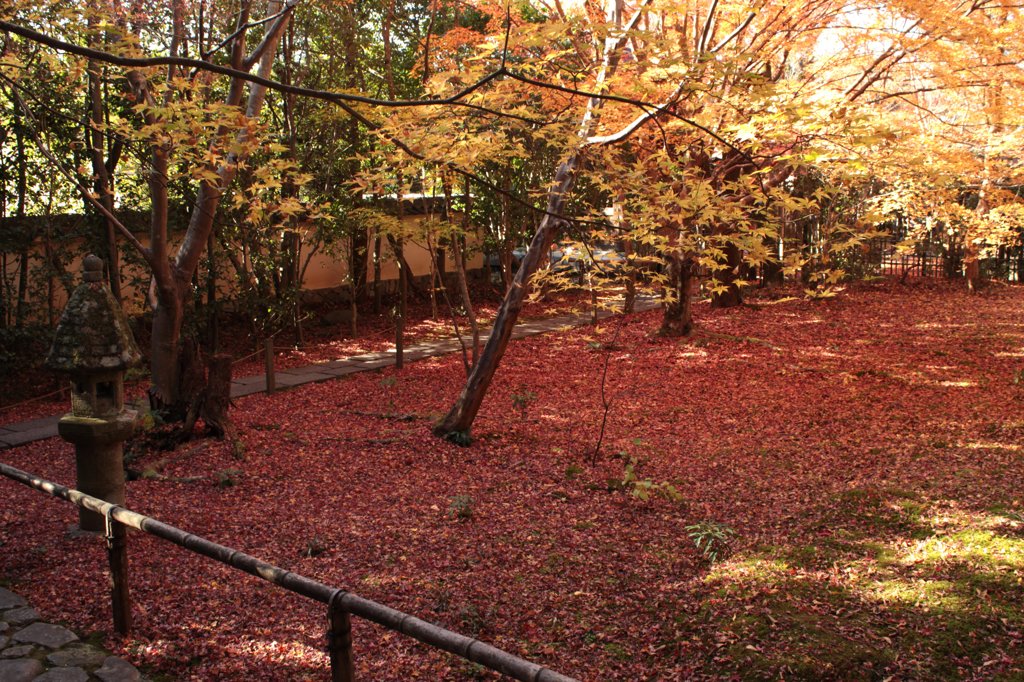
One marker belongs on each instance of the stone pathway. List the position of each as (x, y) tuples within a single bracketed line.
[(12, 435), (33, 650)]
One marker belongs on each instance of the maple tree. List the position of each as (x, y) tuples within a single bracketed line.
[(177, 112), (730, 140)]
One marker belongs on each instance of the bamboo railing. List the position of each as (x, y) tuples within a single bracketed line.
[(340, 603)]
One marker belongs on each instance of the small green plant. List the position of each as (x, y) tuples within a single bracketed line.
[(573, 471), (521, 402), (461, 507), (712, 538), (472, 620), (460, 438), (1011, 515), (388, 384), (228, 477), (314, 547), (643, 488)]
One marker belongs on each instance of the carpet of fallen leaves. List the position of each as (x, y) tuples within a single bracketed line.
[(866, 451)]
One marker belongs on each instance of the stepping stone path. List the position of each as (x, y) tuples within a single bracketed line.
[(31, 650)]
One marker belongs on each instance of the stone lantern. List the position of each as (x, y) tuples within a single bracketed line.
[(94, 346)]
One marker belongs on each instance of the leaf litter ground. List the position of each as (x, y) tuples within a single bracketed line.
[(865, 450)]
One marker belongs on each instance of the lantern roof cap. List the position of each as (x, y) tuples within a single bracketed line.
[(93, 334)]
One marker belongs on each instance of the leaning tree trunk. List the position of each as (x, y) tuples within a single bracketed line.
[(456, 424)]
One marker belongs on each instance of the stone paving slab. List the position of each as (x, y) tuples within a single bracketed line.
[(16, 438), (45, 634), (32, 425), (63, 675), (15, 650), (10, 600), (343, 362), (20, 670), (291, 371), (442, 347), (248, 381), (341, 371), (242, 391), (376, 364), (116, 670), (372, 357), (22, 616), (414, 354), (296, 378), (77, 656), (44, 652)]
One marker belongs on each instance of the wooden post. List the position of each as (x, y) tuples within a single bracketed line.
[(117, 557), (268, 364), (339, 642)]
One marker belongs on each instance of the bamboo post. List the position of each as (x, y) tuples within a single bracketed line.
[(339, 641), (117, 557), (268, 364)]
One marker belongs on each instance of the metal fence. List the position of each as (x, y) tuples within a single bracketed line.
[(340, 603), (922, 262), (937, 260)]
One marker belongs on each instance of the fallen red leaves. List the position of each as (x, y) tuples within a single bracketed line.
[(815, 430)]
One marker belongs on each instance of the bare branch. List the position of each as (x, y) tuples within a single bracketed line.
[(735, 33), (45, 150)]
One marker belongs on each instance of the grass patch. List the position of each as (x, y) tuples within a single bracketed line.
[(885, 580)]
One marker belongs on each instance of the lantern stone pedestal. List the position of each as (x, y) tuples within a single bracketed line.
[(99, 459)]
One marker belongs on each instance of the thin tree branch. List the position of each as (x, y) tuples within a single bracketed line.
[(89, 196)]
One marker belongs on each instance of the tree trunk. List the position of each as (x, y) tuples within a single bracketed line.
[(21, 307), (732, 296), (972, 257), (378, 291), (166, 335), (455, 426), (771, 271), (972, 270), (403, 287), (435, 283), (678, 316), (353, 305), (101, 170), (629, 298), (506, 245), (217, 398), (212, 319), (467, 303), (171, 278), (807, 251), (22, 310)]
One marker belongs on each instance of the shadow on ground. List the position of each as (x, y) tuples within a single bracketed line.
[(887, 584)]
